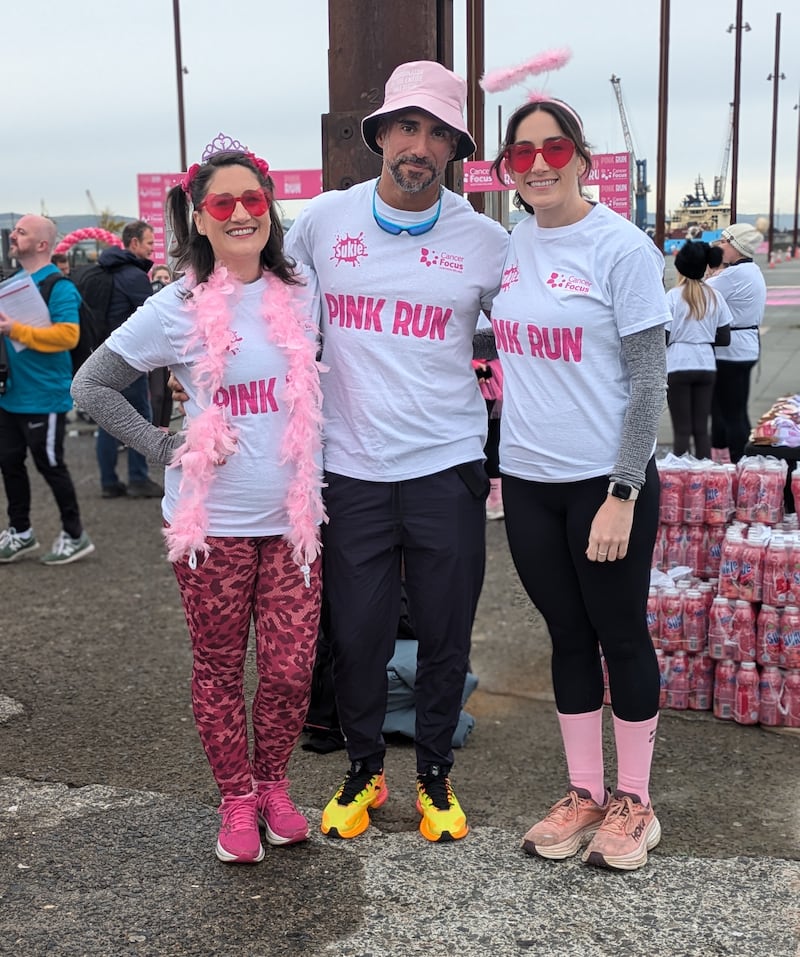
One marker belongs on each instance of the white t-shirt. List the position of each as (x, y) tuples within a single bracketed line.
[(691, 341), (248, 493), (745, 292), (569, 294), (398, 317)]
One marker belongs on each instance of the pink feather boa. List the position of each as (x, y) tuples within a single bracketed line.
[(210, 436)]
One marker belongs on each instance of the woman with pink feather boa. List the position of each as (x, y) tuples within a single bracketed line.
[(242, 493)]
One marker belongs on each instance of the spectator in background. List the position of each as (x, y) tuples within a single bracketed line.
[(700, 320), (741, 284), (129, 268), (160, 395), (35, 401), (62, 261)]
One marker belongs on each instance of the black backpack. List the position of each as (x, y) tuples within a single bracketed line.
[(95, 297)]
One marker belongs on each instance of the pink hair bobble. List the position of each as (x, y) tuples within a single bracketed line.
[(189, 175)]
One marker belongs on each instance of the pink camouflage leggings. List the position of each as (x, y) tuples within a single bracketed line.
[(244, 579)]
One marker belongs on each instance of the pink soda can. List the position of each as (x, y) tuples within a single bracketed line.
[(746, 702), (715, 535), (670, 620), (720, 629), (670, 507), (719, 496), (695, 622), (724, 689), (694, 495), (790, 637), (743, 632), (796, 488), (775, 579), (768, 636), (657, 561), (695, 552), (678, 683), (793, 590), (748, 491), (770, 686), (701, 682), (653, 623), (729, 563), (674, 546), (790, 700), (751, 567)]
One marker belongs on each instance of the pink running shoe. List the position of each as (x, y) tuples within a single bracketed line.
[(239, 841), (568, 824), (628, 832), (283, 823)]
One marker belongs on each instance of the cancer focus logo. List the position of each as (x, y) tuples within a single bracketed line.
[(349, 249)]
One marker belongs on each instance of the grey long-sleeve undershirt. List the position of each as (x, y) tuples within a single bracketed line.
[(646, 355), (96, 389)]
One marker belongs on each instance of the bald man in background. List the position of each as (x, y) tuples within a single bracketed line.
[(35, 400)]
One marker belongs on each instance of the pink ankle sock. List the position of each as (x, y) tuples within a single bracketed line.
[(583, 745), (635, 742)]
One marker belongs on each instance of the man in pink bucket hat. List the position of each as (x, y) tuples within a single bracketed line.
[(405, 268)]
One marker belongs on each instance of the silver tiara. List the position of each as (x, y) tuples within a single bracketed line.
[(222, 144)]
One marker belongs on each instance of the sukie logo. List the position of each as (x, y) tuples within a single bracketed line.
[(510, 276), (569, 283), (429, 257), (349, 249)]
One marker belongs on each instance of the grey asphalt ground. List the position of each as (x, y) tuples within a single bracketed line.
[(108, 810)]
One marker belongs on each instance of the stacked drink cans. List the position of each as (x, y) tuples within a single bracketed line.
[(726, 626)]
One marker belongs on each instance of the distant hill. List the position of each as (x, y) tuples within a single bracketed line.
[(66, 224)]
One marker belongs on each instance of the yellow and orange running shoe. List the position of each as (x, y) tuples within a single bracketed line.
[(442, 816), (347, 813)]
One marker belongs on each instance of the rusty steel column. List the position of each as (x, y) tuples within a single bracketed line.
[(366, 41), (475, 99)]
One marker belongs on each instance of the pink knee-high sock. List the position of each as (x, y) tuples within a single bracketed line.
[(635, 743), (583, 745)]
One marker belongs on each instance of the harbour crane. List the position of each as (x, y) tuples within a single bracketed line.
[(721, 181), (641, 188)]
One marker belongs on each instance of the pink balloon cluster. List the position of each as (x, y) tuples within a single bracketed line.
[(89, 232)]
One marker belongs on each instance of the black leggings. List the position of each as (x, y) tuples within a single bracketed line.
[(730, 423), (689, 399), (585, 603)]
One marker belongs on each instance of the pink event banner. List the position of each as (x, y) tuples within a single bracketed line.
[(610, 173), (153, 189)]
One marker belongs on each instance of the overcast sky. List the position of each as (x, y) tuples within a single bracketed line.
[(89, 93)]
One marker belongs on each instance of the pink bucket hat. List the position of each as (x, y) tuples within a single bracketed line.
[(423, 85)]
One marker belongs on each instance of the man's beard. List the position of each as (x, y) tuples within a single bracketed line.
[(412, 185)]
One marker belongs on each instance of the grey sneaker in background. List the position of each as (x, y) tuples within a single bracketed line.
[(66, 549), (13, 545)]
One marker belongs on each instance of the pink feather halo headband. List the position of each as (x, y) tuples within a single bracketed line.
[(499, 80)]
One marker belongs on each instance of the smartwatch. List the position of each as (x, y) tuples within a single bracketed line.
[(623, 491)]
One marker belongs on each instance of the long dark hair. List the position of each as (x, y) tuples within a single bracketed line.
[(568, 122), (193, 251)]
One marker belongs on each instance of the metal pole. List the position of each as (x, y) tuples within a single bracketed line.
[(176, 16), (475, 98), (663, 99), (797, 184), (737, 84), (775, 77)]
